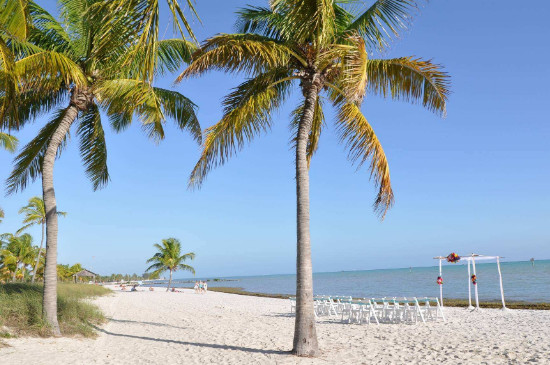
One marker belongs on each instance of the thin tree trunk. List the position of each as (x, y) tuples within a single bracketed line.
[(169, 281), (80, 100), (39, 254), (305, 335), (14, 277)]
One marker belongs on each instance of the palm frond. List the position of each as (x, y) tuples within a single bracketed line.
[(359, 138), (181, 109), (410, 79), (45, 70), (14, 18), (249, 53), (247, 112), (28, 164), (383, 21), (311, 20), (8, 142), (262, 21), (316, 127), (93, 148), (187, 268)]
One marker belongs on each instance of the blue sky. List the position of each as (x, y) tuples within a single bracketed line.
[(476, 181)]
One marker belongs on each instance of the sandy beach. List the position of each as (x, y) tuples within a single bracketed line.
[(216, 328)]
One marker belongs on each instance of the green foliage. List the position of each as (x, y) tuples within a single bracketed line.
[(21, 309), (169, 257), (109, 50), (324, 45)]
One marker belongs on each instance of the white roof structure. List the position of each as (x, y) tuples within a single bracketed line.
[(471, 259)]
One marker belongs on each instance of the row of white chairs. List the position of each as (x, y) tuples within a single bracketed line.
[(367, 310)]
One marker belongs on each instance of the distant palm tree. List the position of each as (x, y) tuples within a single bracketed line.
[(22, 252), (327, 48), (101, 56), (1, 214), (35, 213), (169, 258)]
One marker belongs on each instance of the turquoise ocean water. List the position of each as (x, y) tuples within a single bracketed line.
[(522, 282)]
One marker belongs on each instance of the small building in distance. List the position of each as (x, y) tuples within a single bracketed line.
[(84, 274)]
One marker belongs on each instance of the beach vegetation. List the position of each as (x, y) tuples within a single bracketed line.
[(327, 49), (35, 214), (99, 58), (21, 310), (169, 258)]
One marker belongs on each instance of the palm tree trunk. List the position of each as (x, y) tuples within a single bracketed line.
[(169, 281), (305, 335), (39, 254), (80, 100), (14, 277)]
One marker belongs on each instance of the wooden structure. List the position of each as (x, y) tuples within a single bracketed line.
[(84, 274)]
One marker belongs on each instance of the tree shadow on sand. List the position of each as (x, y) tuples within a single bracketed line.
[(146, 323), (186, 343)]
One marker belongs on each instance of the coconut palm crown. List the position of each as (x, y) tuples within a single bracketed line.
[(329, 50), (169, 258)]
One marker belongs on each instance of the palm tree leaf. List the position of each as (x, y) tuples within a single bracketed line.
[(44, 70), (383, 20), (262, 21), (359, 138), (247, 112), (410, 79), (181, 109), (28, 164), (249, 53), (8, 142), (316, 127), (93, 148), (308, 20)]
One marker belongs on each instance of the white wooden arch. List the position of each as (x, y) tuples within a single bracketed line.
[(472, 258)]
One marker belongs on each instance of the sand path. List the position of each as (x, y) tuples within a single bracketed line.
[(176, 328)]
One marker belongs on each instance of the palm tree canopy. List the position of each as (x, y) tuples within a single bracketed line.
[(35, 213), (107, 50), (326, 43), (169, 257)]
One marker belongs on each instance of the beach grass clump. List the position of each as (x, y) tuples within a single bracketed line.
[(21, 310)]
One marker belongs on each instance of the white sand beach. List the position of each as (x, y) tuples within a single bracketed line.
[(215, 328)]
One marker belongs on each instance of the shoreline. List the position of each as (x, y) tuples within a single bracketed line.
[(459, 303)]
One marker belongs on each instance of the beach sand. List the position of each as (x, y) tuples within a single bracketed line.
[(216, 328)]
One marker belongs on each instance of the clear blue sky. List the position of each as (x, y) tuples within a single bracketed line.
[(476, 181)]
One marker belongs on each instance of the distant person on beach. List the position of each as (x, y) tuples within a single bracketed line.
[(205, 287), (134, 288), (151, 288), (196, 287)]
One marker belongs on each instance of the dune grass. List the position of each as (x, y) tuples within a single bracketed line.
[(447, 302), (21, 309)]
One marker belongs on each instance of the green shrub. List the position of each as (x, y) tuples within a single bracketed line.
[(21, 309)]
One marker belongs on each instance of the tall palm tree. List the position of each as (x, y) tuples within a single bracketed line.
[(35, 213), (106, 55), (327, 49), (169, 258)]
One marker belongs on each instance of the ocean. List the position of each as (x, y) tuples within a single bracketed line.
[(521, 282)]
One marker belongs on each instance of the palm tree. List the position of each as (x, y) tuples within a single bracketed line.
[(169, 257), (19, 250), (327, 49), (36, 214), (106, 55)]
